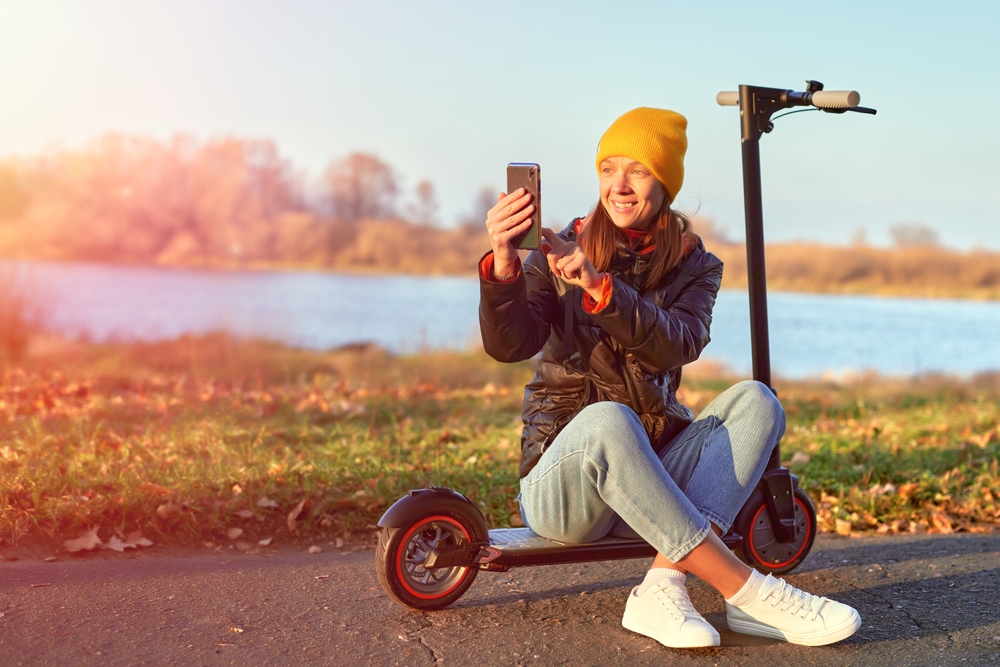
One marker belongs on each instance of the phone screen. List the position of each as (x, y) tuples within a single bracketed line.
[(528, 175)]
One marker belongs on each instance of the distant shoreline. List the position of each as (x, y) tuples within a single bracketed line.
[(785, 264)]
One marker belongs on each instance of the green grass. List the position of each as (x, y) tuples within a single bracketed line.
[(934, 442), (188, 439)]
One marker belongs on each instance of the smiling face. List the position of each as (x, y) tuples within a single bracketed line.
[(630, 193)]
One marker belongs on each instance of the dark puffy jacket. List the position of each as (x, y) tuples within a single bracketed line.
[(631, 352)]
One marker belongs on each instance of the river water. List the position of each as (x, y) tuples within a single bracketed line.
[(811, 335)]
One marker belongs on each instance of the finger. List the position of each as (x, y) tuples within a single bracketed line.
[(504, 198), (510, 205), (552, 260), (558, 254), (552, 238), (498, 221), (519, 217), (517, 201), (546, 248), (569, 264), (520, 193), (508, 234)]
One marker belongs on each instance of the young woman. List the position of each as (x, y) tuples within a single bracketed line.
[(617, 303)]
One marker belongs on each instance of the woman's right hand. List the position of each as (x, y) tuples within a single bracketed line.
[(510, 217)]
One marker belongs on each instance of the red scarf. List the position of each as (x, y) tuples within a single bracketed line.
[(633, 238)]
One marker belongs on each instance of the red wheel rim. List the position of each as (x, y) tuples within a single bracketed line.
[(802, 547), (403, 575)]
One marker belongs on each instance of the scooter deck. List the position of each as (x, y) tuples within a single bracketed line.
[(515, 547)]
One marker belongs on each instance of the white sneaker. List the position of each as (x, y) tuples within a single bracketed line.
[(664, 612), (782, 611)]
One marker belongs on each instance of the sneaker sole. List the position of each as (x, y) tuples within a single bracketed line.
[(831, 635), (679, 640)]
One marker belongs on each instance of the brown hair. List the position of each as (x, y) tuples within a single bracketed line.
[(600, 238)]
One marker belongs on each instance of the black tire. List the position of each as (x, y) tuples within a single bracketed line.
[(760, 548), (399, 561)]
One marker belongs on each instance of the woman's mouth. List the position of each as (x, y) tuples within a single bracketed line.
[(623, 207)]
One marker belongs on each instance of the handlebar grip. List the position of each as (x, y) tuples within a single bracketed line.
[(836, 99), (728, 98)]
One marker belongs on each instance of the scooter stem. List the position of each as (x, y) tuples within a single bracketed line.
[(750, 121)]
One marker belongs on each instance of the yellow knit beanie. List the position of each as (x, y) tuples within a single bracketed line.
[(655, 137)]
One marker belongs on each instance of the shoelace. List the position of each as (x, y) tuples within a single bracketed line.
[(796, 601), (678, 598)]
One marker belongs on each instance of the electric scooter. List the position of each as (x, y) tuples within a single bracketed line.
[(434, 541)]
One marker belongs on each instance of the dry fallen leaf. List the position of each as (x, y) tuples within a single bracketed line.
[(136, 539), (244, 514), (210, 545), (236, 629), (115, 544), (133, 541), (87, 541), (153, 489), (266, 502), (166, 509), (265, 542), (294, 515), (315, 550), (942, 522), (799, 458), (340, 543), (234, 533), (843, 527), (243, 546), (49, 559)]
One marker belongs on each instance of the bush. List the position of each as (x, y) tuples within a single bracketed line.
[(20, 310)]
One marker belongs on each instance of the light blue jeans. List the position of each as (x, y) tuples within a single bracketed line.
[(600, 476)]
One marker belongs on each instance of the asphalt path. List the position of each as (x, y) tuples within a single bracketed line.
[(924, 600)]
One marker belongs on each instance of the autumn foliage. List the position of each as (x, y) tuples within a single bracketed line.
[(222, 203), (241, 442), (928, 271), (238, 203)]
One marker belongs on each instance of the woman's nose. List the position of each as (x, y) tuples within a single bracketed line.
[(620, 185)]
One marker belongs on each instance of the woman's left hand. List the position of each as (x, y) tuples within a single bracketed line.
[(568, 261)]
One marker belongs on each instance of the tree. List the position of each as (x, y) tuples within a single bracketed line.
[(912, 235), (423, 209), (361, 186), (13, 198), (485, 199)]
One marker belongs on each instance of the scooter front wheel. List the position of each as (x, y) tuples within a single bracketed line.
[(762, 550), (402, 553)]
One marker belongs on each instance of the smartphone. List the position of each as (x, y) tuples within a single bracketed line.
[(528, 175)]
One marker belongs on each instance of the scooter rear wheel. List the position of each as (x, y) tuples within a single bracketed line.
[(402, 551), (763, 551)]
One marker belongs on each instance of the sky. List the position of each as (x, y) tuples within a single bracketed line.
[(453, 91)]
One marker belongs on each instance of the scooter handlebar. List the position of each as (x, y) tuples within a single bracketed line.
[(836, 99), (821, 99), (728, 98)]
